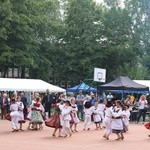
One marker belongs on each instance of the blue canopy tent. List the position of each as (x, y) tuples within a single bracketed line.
[(82, 86)]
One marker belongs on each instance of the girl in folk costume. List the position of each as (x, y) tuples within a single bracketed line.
[(87, 113), (30, 111), (96, 116), (66, 118), (74, 115), (54, 120), (36, 117), (126, 117), (108, 120), (20, 111), (14, 115), (117, 123)]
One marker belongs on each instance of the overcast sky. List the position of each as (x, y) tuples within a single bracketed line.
[(98, 1)]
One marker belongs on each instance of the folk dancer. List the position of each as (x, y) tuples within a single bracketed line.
[(74, 115), (20, 111), (66, 111), (126, 117), (14, 115), (117, 123), (36, 116), (54, 120), (96, 116), (108, 120), (87, 115)]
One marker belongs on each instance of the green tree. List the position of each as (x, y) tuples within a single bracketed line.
[(80, 39)]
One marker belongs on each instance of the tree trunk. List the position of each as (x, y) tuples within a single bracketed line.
[(23, 72)]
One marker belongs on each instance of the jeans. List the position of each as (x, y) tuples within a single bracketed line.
[(142, 112), (80, 112)]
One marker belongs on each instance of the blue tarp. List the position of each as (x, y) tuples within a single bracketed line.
[(82, 86)]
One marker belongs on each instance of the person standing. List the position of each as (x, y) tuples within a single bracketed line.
[(74, 115), (126, 117), (96, 116), (14, 115), (20, 111), (109, 97), (93, 99), (5, 105), (46, 102), (142, 109), (80, 100), (88, 113), (24, 101)]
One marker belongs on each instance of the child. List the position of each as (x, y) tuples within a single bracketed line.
[(36, 117), (57, 116), (30, 112), (74, 115), (126, 116), (108, 120), (102, 108), (117, 124), (87, 113), (20, 111), (66, 111), (14, 115), (96, 116)]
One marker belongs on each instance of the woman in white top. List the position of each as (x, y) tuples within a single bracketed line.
[(142, 108)]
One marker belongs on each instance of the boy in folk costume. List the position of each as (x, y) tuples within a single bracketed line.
[(108, 120), (96, 115), (20, 111), (66, 118), (14, 115), (87, 114), (102, 108), (74, 115)]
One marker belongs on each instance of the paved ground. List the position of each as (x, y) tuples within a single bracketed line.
[(136, 139)]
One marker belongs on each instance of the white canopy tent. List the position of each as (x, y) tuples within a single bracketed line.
[(143, 82), (27, 85)]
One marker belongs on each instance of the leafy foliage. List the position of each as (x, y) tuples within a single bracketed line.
[(66, 39)]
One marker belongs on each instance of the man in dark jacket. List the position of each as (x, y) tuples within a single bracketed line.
[(46, 102), (24, 101)]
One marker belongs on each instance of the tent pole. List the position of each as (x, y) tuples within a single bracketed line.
[(122, 95), (97, 91)]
